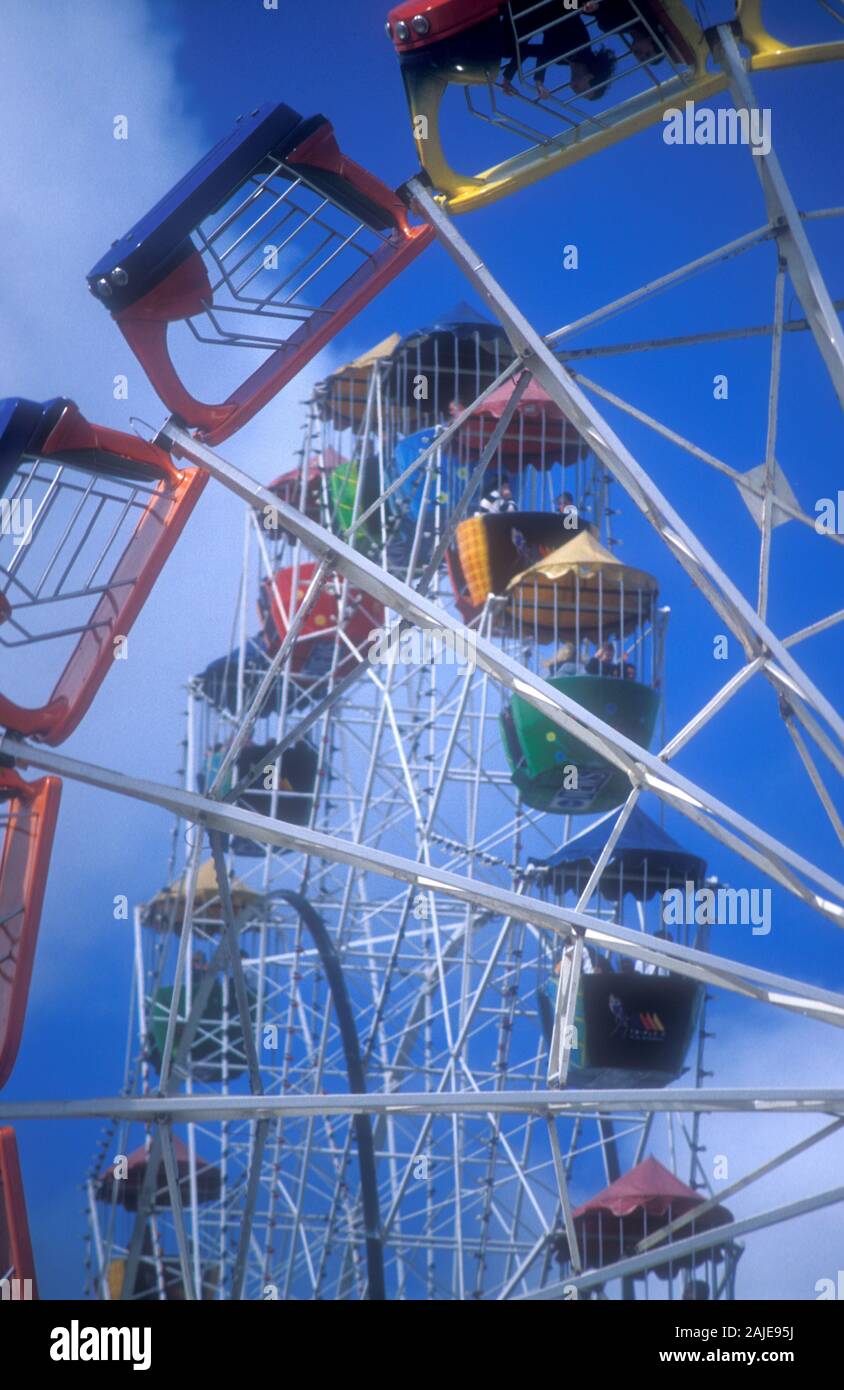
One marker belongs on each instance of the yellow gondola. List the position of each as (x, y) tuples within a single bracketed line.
[(581, 590), (169, 905), (492, 548), (463, 43)]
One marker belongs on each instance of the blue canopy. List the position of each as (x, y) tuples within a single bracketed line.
[(463, 315), (645, 861), (218, 682), (460, 322)]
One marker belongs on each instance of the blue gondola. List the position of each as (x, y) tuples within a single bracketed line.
[(633, 1025)]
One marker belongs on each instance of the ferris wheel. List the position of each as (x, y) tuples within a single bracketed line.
[(411, 1017)]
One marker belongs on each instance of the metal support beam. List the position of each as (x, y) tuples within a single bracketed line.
[(659, 1237), (728, 601), (735, 976), (782, 210), (213, 1109), (639, 765)]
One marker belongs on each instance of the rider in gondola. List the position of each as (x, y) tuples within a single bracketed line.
[(612, 15), (564, 40)]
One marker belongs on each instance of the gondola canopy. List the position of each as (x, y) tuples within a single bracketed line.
[(610, 1225), (169, 904), (219, 682), (539, 435), (645, 861), (582, 588), (342, 397)]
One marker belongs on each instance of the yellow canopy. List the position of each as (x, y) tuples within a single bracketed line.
[(578, 588), (170, 902), (343, 395), (385, 348)]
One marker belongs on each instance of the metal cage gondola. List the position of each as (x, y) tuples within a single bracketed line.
[(275, 240), (93, 516)]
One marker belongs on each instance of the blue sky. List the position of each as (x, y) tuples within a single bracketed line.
[(182, 72)]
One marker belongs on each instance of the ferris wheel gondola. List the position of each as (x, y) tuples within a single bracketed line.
[(651, 56), (94, 514), (275, 240)]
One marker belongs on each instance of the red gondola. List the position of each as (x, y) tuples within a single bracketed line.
[(28, 812), (313, 651), (642, 1201), (275, 241), (93, 515)]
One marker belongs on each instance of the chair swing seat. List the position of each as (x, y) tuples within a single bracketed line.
[(95, 514), (274, 241)]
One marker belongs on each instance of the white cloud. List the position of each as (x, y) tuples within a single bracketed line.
[(70, 189)]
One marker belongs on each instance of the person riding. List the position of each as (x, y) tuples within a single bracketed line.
[(603, 663), (499, 500), (621, 15), (563, 662), (564, 39)]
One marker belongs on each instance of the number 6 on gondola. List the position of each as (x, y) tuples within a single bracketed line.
[(274, 241)]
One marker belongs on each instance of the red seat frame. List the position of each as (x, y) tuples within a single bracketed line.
[(16, 1259), (104, 452), (30, 810)]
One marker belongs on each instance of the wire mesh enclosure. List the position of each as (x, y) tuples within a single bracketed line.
[(274, 241), (88, 517), (28, 812), (560, 83)]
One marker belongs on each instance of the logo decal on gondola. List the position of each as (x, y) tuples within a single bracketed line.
[(580, 795), (643, 1027)]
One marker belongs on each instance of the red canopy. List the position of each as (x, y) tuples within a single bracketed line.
[(129, 1188), (534, 402), (647, 1188), (538, 435), (611, 1224)]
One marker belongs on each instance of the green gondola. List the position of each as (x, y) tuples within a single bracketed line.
[(602, 621), (218, 1036), (552, 769)]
